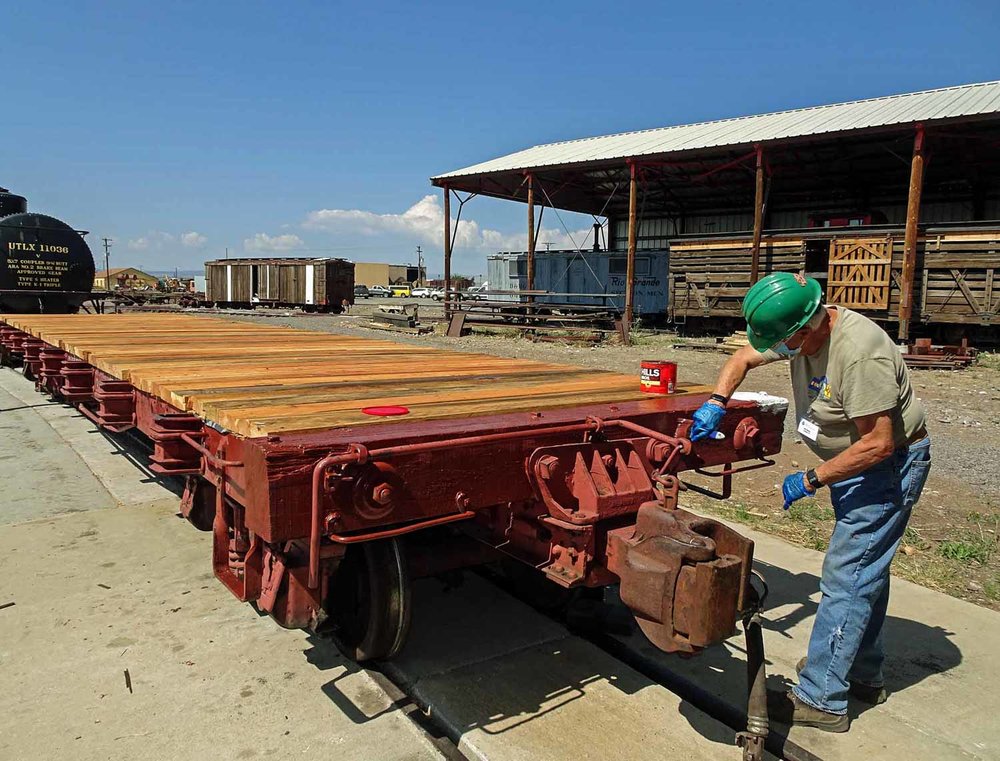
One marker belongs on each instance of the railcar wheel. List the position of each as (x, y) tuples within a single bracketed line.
[(370, 600)]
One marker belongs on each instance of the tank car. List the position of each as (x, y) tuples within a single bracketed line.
[(45, 265)]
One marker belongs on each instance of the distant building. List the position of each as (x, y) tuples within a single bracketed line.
[(124, 278), (844, 193), (377, 273)]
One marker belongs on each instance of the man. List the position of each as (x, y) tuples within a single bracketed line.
[(855, 409)]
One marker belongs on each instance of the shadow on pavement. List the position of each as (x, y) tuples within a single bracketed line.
[(136, 448), (496, 688), (484, 682), (914, 650)]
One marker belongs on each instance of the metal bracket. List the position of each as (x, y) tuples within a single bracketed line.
[(172, 454), (684, 577), (115, 405), (77, 381), (585, 482)]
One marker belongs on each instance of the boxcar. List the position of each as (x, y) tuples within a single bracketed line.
[(311, 284), (956, 289), (594, 278)]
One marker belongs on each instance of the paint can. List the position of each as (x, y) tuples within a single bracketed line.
[(658, 376)]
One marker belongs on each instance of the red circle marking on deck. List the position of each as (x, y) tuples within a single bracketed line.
[(387, 411)]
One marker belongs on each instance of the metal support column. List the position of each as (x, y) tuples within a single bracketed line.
[(633, 192), (531, 231), (910, 237), (758, 217), (447, 251)]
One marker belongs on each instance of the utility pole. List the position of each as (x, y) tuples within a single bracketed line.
[(420, 265), (107, 263)]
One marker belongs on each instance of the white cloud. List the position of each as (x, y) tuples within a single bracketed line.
[(424, 222), (158, 240), (265, 242), (154, 240), (193, 240)]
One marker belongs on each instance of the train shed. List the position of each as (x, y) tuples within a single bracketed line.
[(893, 203)]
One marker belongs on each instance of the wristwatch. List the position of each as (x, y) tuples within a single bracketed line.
[(813, 479), (719, 398)]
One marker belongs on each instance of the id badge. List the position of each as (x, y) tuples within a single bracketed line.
[(808, 429)]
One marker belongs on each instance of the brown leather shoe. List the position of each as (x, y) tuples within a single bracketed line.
[(867, 693), (785, 708)]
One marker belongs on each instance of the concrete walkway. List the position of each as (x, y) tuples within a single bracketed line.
[(104, 590), (515, 686), (100, 589), (942, 659)]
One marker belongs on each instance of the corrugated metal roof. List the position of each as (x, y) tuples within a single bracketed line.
[(945, 103)]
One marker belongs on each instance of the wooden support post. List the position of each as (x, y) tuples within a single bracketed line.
[(633, 192), (447, 251), (758, 218), (531, 231), (910, 236)]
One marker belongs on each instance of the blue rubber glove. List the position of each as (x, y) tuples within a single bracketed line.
[(706, 421), (794, 488)]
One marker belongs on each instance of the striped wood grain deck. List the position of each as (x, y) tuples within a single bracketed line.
[(257, 380)]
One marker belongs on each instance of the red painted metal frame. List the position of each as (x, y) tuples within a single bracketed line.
[(552, 488)]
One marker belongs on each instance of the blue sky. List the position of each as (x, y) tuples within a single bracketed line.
[(181, 128)]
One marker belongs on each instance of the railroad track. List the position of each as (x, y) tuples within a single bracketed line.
[(590, 623), (593, 626)]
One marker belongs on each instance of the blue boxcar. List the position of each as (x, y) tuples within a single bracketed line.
[(589, 272)]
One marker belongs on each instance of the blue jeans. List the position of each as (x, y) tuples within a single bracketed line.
[(872, 510)]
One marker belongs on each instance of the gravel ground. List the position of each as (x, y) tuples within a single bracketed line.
[(963, 406), (952, 538)]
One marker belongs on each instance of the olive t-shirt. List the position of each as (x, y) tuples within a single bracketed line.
[(859, 371)]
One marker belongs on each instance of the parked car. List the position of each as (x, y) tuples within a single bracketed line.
[(477, 292), (400, 290), (422, 292), (361, 292), (379, 290), (438, 295)]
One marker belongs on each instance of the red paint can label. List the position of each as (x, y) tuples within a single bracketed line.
[(658, 376)]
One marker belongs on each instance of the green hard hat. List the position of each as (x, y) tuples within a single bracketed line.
[(777, 306)]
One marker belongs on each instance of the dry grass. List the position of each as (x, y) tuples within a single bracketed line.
[(961, 560), (990, 360)]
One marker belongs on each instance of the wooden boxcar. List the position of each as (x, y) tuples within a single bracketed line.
[(311, 284), (956, 286)]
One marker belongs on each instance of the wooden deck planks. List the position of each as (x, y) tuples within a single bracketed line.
[(261, 379)]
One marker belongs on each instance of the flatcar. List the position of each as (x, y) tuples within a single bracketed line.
[(333, 470)]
